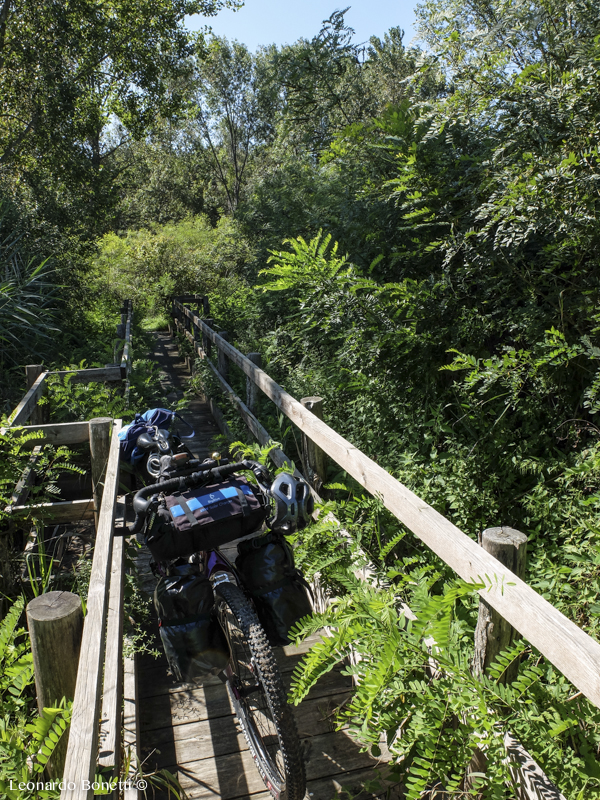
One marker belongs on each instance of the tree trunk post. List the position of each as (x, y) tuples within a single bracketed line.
[(314, 457), (55, 622), (251, 387), (99, 449), (223, 361), (493, 633), (40, 414)]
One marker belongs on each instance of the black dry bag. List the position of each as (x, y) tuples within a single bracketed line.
[(193, 640), (280, 593)]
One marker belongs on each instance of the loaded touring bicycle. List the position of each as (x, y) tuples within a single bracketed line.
[(218, 617)]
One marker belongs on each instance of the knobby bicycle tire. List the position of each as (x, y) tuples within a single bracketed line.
[(259, 699)]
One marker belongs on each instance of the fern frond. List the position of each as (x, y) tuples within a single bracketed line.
[(9, 624)]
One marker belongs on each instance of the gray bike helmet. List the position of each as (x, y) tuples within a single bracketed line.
[(293, 503)]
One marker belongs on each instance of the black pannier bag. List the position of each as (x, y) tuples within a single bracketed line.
[(204, 518), (279, 590), (194, 642)]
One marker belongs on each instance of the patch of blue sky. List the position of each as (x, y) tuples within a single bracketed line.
[(264, 22)]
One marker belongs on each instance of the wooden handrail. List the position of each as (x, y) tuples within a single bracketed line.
[(561, 641), (527, 776), (82, 749), (25, 408), (59, 433), (91, 375), (95, 374)]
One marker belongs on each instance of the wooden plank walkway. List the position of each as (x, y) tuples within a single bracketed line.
[(174, 376), (193, 732)]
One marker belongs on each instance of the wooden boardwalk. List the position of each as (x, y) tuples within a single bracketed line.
[(193, 732)]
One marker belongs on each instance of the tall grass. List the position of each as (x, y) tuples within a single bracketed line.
[(26, 297)]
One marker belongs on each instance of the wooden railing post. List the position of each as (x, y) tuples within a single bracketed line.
[(493, 633), (123, 324), (99, 449), (251, 387), (126, 356), (55, 622), (205, 306), (223, 361), (40, 414), (206, 343), (314, 457), (197, 336)]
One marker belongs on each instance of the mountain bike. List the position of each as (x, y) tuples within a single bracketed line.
[(252, 676)]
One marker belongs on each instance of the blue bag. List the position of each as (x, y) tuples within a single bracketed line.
[(145, 423)]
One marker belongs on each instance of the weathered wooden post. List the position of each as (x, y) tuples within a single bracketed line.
[(99, 449), (206, 306), (55, 622), (207, 344), (40, 414), (123, 324), (493, 633), (176, 323), (251, 387), (195, 334), (172, 318), (223, 361), (314, 457)]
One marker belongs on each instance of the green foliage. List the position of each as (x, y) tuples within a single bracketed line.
[(39, 568), (307, 266), (62, 124), (416, 692), (15, 452), (71, 401), (27, 740), (233, 112), (25, 298), (149, 266)]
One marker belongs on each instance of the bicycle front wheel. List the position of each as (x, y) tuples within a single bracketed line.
[(258, 697)]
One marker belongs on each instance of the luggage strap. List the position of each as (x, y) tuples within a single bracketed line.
[(243, 502), (186, 510)]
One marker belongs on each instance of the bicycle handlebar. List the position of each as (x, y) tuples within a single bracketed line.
[(143, 498)]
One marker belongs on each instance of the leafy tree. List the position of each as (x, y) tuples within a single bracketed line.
[(331, 83), (161, 178), (235, 107), (66, 71)]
